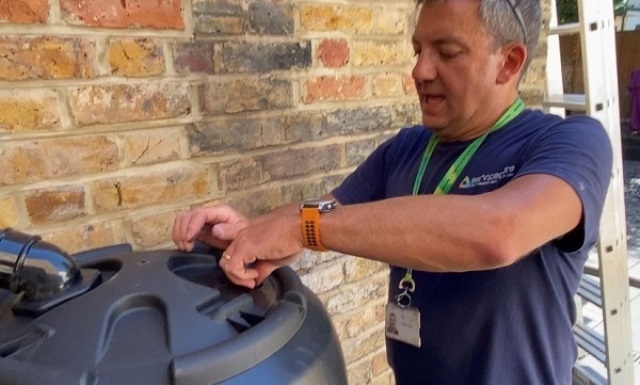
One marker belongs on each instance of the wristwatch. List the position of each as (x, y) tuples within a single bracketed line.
[(310, 210)]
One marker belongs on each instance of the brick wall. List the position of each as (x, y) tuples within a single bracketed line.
[(116, 114)]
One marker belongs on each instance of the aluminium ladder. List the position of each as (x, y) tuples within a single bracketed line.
[(596, 28)]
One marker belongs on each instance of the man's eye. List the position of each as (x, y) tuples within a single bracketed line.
[(446, 55)]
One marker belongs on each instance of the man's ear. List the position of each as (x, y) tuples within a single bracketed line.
[(513, 58)]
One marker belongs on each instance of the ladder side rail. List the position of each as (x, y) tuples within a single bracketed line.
[(600, 72), (553, 81)]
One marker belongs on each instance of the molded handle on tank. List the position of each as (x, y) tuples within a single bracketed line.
[(225, 360), (38, 268)]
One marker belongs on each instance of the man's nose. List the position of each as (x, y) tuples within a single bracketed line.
[(424, 69)]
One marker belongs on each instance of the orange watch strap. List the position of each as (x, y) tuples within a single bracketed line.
[(311, 229)]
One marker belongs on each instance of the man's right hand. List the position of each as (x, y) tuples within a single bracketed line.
[(215, 226)]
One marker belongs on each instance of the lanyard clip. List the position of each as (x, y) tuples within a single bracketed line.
[(407, 283)]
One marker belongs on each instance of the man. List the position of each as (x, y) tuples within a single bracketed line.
[(391, 324), (486, 213)]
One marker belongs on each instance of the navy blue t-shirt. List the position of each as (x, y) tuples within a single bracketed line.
[(511, 325)]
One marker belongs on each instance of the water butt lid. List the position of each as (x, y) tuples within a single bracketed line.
[(159, 317)]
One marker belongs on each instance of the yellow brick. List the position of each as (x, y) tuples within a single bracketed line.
[(153, 186), (389, 21), (388, 85), (379, 363), (361, 268), (136, 58), (55, 204), (152, 146), (356, 348), (536, 74), (120, 103), (46, 58), (326, 18), (29, 111), (77, 238), (377, 53), (355, 296), (359, 373), (8, 212), (365, 318), (323, 278), (152, 229), (36, 160)]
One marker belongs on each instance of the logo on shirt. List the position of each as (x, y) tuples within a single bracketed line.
[(487, 179)]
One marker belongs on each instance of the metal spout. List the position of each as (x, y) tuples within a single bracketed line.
[(30, 265)]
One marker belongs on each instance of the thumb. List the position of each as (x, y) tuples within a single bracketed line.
[(226, 231)]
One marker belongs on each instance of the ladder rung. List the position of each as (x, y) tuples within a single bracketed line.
[(571, 102), (584, 375), (589, 289), (593, 270), (590, 341), (565, 29)]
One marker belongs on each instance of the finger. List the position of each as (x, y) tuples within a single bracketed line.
[(244, 277), (194, 224), (226, 231), (178, 233), (175, 232), (265, 268), (237, 270)]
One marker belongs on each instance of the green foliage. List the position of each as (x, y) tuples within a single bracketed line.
[(568, 10)]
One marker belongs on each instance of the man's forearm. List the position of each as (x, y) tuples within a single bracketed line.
[(456, 232), (431, 233)]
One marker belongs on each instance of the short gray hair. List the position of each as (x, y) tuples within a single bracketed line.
[(500, 21)]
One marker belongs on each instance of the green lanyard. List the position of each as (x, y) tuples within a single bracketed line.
[(456, 168)]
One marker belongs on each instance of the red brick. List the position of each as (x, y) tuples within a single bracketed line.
[(23, 58), (333, 53), (159, 14), (159, 186), (129, 103), (29, 111), (36, 160), (335, 88), (55, 204), (24, 11), (136, 58), (193, 57), (77, 238)]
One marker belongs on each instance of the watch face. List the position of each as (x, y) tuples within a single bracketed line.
[(323, 205)]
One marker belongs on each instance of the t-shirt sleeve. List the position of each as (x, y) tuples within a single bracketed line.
[(578, 151), (366, 183)]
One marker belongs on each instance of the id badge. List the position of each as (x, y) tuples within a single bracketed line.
[(403, 324)]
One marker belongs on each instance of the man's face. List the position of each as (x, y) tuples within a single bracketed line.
[(456, 68), (392, 320)]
